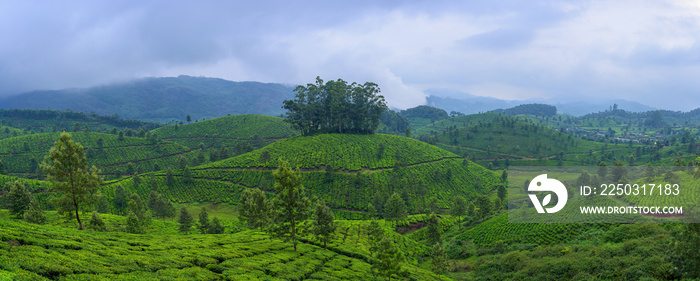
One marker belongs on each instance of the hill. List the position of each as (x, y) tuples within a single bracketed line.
[(229, 131), (46, 120), (347, 171), (493, 138), (21, 155), (162, 99), (536, 109)]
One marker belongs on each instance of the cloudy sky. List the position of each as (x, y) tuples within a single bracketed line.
[(646, 51)]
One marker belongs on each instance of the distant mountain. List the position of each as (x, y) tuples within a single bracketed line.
[(451, 100), (163, 99)]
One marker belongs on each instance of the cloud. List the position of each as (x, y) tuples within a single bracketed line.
[(507, 49)]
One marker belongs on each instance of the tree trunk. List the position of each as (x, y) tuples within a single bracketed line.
[(77, 216)]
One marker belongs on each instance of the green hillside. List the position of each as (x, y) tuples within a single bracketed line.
[(491, 138), (228, 131), (37, 252), (8, 132), (347, 171), (22, 155)]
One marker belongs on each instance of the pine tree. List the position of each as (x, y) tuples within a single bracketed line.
[(375, 233), (215, 226), (169, 177), (395, 208), (121, 200), (34, 214), (254, 208), (502, 192), (290, 207), (95, 222), (459, 209), (157, 205), (484, 205), (18, 199), (187, 175), (433, 232), (67, 168), (185, 220), (203, 223), (324, 223), (388, 259)]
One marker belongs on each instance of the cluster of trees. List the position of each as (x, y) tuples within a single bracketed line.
[(335, 107), (536, 109), (285, 216), (204, 225), (425, 111)]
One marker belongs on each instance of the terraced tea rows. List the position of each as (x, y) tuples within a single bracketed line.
[(48, 252)]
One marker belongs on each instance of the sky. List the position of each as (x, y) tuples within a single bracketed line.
[(644, 51)]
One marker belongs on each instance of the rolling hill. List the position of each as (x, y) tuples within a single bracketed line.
[(491, 137), (230, 131), (21, 155), (162, 99), (347, 171)]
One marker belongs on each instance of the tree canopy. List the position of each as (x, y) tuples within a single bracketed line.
[(335, 107)]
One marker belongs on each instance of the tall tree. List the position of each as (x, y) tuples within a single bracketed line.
[(254, 208), (459, 209), (434, 230), (67, 168), (484, 205), (121, 199), (291, 206), (502, 191), (324, 223), (388, 257), (185, 220), (395, 208), (203, 223)]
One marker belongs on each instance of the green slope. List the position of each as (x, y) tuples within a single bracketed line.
[(229, 131), (359, 172), (21, 155), (8, 132), (490, 137), (54, 252)]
